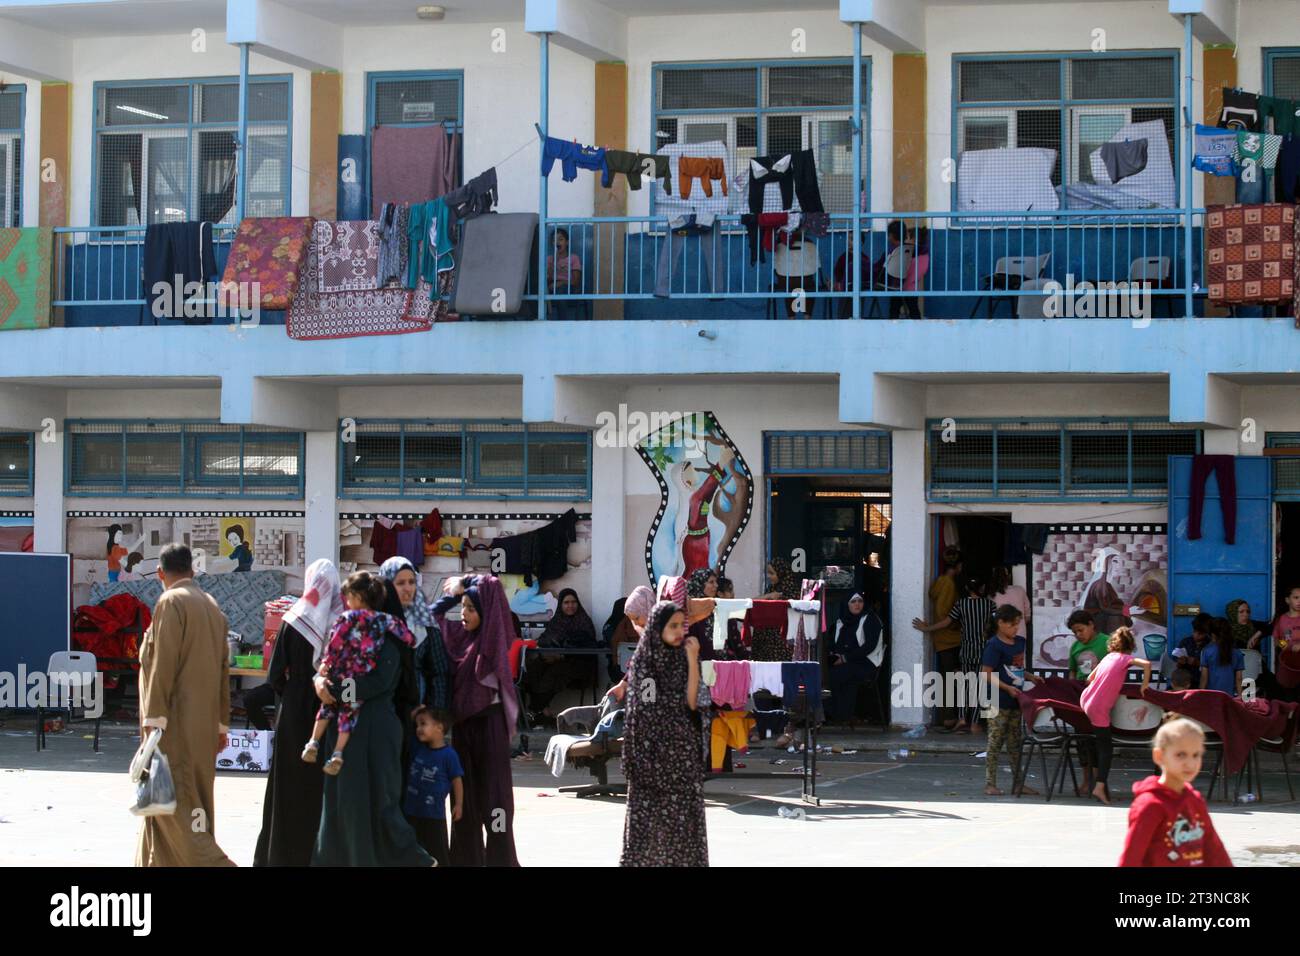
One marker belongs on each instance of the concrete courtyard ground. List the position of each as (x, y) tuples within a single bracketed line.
[(67, 806)]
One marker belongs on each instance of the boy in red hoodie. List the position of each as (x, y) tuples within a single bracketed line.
[(1168, 823)]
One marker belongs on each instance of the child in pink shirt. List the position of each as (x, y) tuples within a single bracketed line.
[(1105, 684)]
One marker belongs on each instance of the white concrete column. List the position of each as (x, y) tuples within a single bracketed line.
[(321, 529), (908, 573), (1224, 441), (608, 525), (50, 526)]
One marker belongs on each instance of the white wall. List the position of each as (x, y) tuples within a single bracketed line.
[(1045, 399), (1026, 28), (501, 100), (432, 401), (171, 57), (144, 402), (1263, 23), (755, 36)]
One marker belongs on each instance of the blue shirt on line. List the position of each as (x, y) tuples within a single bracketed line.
[(429, 782)]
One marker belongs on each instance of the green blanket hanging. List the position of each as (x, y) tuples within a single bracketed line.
[(25, 278)]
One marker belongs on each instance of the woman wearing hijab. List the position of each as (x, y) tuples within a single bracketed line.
[(662, 760), (548, 674), (856, 653), (703, 583), (291, 807), (1246, 634), (361, 820), (432, 668), (767, 643), (484, 710), (636, 614)]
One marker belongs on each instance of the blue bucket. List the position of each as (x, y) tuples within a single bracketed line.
[(1155, 646)]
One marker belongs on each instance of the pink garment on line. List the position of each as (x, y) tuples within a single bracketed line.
[(1104, 688), (732, 685)]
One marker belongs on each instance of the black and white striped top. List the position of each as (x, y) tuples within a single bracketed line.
[(972, 614)]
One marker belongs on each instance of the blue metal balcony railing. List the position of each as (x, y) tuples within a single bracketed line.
[(952, 265)]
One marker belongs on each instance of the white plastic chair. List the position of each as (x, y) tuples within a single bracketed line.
[(796, 265), (1011, 273), (1154, 270), (71, 678), (1032, 306)]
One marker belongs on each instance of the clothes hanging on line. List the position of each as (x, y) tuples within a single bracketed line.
[(730, 729), (476, 197), (802, 626), (724, 610), (705, 169), (1283, 113), (807, 675), (1213, 151), (411, 164), (1286, 177), (731, 688), (633, 165), (1258, 148), (173, 249), (767, 614), (1224, 468), (1240, 110), (760, 232), (708, 673), (794, 173), (543, 553), (765, 676), (1124, 159), (429, 242), (393, 244), (674, 243), (572, 157)]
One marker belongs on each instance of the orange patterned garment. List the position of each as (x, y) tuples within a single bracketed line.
[(269, 252)]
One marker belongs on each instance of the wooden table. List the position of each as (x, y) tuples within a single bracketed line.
[(247, 672)]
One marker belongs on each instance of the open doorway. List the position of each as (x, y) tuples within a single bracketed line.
[(839, 526), (1286, 571), (982, 540)]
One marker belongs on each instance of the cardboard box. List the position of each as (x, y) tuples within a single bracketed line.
[(248, 751)]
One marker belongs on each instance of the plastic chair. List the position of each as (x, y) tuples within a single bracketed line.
[(71, 677), (1032, 306), (1009, 274), (898, 264), (1156, 271), (796, 265), (1049, 732)]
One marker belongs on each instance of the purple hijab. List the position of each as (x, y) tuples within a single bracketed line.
[(482, 657)]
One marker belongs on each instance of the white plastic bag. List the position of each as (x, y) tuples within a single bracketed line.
[(155, 793)]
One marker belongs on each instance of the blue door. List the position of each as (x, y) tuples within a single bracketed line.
[(1209, 571)]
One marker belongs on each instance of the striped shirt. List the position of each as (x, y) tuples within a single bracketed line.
[(972, 615)]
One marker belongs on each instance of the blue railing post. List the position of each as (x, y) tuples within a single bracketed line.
[(544, 127), (854, 253), (1189, 148), (241, 195)]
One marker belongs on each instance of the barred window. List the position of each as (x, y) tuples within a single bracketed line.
[(205, 459), (1281, 73), (1051, 459), (1286, 470), (15, 463), (828, 453), (167, 152), (415, 458), (11, 155), (766, 109), (1070, 105)]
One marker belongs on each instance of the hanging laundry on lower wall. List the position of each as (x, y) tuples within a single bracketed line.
[(572, 157), (493, 260), (411, 164), (1250, 253), (347, 255), (25, 277)]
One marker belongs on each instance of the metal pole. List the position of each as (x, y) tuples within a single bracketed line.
[(241, 193), (853, 250), (544, 125), (1189, 148)]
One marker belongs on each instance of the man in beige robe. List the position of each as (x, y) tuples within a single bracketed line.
[(185, 691)]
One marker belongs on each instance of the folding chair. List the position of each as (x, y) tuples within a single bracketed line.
[(1154, 270), (71, 678), (896, 265), (1009, 274)]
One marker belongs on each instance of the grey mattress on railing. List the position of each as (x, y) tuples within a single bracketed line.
[(492, 261)]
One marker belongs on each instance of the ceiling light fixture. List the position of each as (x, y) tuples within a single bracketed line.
[(430, 13)]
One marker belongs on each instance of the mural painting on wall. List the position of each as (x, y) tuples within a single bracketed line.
[(17, 532), (243, 559), (706, 495), (465, 546), (1120, 576)]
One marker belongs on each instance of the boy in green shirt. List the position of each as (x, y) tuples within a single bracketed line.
[(1089, 644)]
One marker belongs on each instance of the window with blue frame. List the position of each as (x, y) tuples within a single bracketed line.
[(16, 452), (1282, 72), (421, 458), (11, 155), (1053, 459), (827, 453), (418, 98), (767, 108), (166, 150), (1286, 469), (194, 458), (1057, 111)]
